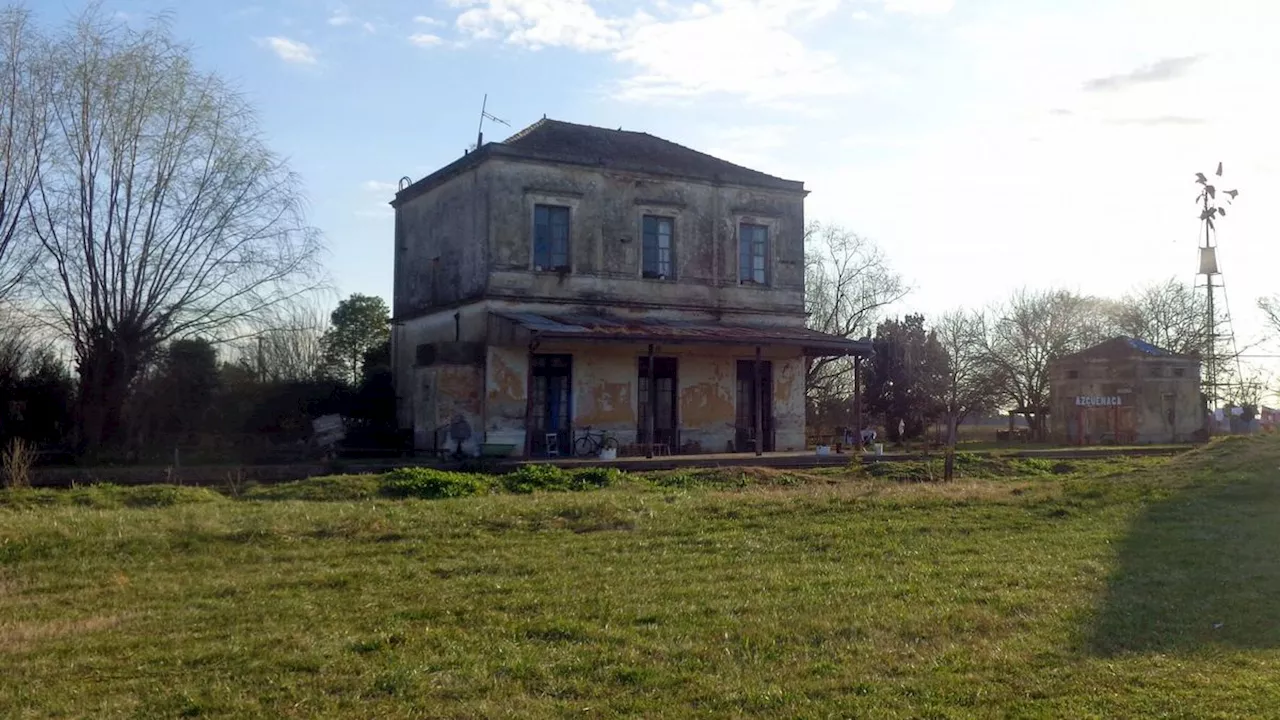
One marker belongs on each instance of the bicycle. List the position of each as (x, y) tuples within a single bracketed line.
[(589, 443)]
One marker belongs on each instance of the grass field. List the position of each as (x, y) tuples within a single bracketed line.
[(1118, 588)]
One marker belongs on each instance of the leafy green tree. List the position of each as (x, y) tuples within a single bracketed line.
[(176, 401), (359, 324), (906, 376)]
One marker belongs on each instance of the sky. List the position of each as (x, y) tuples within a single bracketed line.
[(985, 145)]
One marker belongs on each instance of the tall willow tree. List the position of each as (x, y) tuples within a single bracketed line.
[(24, 90), (160, 211)]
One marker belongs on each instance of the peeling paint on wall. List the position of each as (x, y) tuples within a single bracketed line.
[(604, 387), (443, 393), (707, 390), (508, 371), (709, 402), (608, 404), (789, 403)]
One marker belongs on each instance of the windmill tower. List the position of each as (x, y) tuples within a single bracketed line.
[(1218, 331)]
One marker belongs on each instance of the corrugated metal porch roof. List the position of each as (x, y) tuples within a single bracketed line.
[(593, 327)]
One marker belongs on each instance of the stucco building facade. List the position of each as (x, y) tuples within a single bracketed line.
[(573, 278), (1126, 391)]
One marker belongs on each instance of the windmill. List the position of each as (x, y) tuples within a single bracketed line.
[(1211, 211)]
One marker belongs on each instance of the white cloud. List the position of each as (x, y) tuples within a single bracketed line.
[(695, 49), (379, 186), (290, 51), (542, 23), (720, 53), (427, 20), (1071, 188), (342, 17), (425, 40), (919, 7)]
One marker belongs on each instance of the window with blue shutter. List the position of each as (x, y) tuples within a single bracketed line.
[(550, 237), (658, 260), (753, 254)]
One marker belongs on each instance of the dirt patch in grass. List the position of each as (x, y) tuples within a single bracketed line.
[(24, 636)]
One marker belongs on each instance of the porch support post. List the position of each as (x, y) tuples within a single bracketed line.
[(528, 403), (759, 395), (857, 400), (650, 397)]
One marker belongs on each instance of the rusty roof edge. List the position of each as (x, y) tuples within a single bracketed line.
[(846, 347), (807, 338)]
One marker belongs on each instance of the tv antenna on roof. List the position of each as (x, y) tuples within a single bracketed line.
[(485, 115)]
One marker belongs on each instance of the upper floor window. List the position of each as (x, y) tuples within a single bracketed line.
[(550, 237), (658, 261), (753, 251), (1179, 372)]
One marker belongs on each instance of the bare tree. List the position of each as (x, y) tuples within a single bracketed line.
[(1030, 330), (1170, 315), (290, 346), (160, 211), (970, 384), (1270, 308), (848, 282), (24, 85)]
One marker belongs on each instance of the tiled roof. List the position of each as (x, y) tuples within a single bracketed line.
[(636, 151), (593, 327), (561, 142)]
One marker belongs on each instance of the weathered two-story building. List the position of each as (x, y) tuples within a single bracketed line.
[(576, 278)]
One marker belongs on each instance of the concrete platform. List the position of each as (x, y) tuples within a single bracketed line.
[(810, 459)]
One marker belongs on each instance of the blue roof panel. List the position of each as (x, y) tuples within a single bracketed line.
[(1146, 347)]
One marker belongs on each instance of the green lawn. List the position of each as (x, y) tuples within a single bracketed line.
[(1098, 589)]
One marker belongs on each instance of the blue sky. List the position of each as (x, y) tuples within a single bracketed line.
[(984, 144)]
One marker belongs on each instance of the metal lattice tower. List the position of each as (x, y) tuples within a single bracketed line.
[(1219, 334)]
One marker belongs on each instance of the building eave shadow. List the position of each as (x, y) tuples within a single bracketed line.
[(1197, 570)]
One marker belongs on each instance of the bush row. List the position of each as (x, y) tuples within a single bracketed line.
[(431, 483)]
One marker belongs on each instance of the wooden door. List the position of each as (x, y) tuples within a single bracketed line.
[(748, 393)]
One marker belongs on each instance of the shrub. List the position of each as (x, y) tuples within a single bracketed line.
[(534, 477), (429, 483), (550, 478), (17, 460), (594, 478), (907, 470)]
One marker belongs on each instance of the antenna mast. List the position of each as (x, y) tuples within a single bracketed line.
[(484, 115)]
